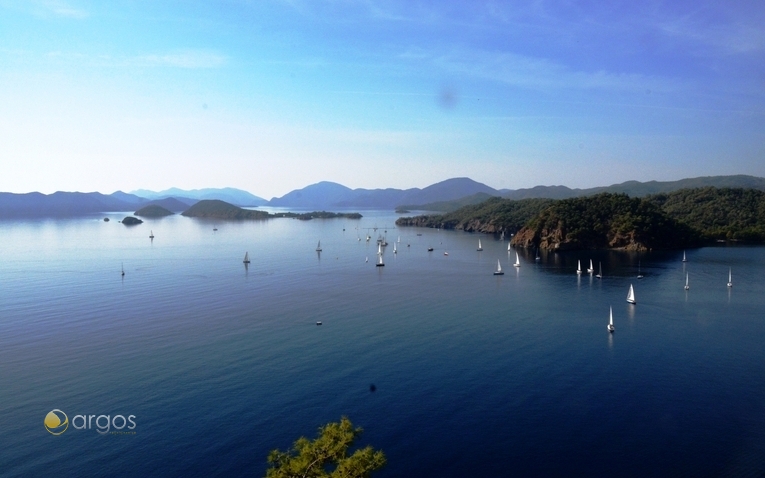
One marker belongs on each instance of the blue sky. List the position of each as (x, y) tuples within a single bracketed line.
[(270, 96)]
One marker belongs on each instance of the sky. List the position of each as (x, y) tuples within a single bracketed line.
[(273, 95)]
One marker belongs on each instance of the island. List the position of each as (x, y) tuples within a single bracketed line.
[(153, 210), (217, 209), (131, 221), (679, 219)]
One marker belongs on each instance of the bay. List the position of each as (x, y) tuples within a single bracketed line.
[(474, 374)]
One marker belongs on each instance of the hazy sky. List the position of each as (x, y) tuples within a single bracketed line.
[(270, 96)]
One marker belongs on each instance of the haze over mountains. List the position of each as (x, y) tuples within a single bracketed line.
[(328, 195)]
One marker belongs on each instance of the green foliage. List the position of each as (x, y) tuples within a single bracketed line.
[(726, 213), (315, 458), (495, 214)]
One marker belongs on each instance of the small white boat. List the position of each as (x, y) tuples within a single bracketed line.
[(631, 295), (686, 282), (610, 325), (318, 247), (367, 259), (578, 267), (537, 258), (246, 258), (318, 322), (446, 253), (380, 261), (508, 247), (499, 272), (599, 275), (591, 269), (395, 251), (151, 234), (639, 276), (480, 248), (730, 277), (517, 260), (399, 239), (684, 259)]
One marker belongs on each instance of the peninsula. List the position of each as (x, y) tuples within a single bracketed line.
[(217, 209)]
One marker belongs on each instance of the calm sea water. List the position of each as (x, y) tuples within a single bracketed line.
[(475, 374)]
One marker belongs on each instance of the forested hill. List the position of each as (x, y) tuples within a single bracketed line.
[(678, 219)]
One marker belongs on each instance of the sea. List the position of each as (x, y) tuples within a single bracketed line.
[(192, 364)]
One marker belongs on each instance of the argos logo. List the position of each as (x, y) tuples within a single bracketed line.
[(57, 422)]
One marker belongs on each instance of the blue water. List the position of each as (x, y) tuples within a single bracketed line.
[(475, 375)]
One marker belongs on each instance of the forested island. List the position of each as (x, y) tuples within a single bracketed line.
[(679, 219), (217, 209)]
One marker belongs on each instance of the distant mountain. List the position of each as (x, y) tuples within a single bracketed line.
[(64, 204), (230, 195), (447, 206), (327, 195), (153, 210), (638, 189)]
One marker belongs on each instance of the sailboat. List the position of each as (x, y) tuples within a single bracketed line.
[(502, 236), (578, 267), (684, 259), (639, 276), (591, 269), (610, 325), (730, 277), (151, 234), (123, 270), (380, 261), (480, 248), (537, 258), (246, 258), (631, 295), (318, 247), (599, 275), (399, 239), (517, 260), (379, 249), (508, 247), (499, 272), (686, 282), (394, 248)]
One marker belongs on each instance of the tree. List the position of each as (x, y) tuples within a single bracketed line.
[(314, 459)]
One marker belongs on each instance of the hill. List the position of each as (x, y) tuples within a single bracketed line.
[(446, 206), (231, 195), (217, 209), (153, 210), (718, 214), (328, 195)]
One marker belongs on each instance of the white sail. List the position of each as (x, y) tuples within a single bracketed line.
[(394, 248), (480, 248), (610, 325), (578, 266), (600, 270), (499, 269), (399, 239), (379, 249), (318, 247), (686, 282), (730, 277), (684, 260), (508, 247), (517, 260), (380, 261), (591, 269), (631, 295)]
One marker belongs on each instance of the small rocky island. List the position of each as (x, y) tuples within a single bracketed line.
[(153, 210), (131, 221)]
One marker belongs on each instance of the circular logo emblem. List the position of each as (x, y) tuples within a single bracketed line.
[(56, 422)]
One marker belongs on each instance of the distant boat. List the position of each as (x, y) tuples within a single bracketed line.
[(379, 249), (246, 258), (639, 276), (631, 295), (399, 239), (537, 258), (684, 259), (591, 269), (446, 253), (380, 261), (430, 249), (508, 247), (318, 247), (578, 267), (517, 260), (686, 282), (318, 322), (151, 234), (502, 236), (610, 325), (480, 248), (730, 277), (367, 260), (215, 228), (394, 248), (499, 272), (123, 270), (599, 275)]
